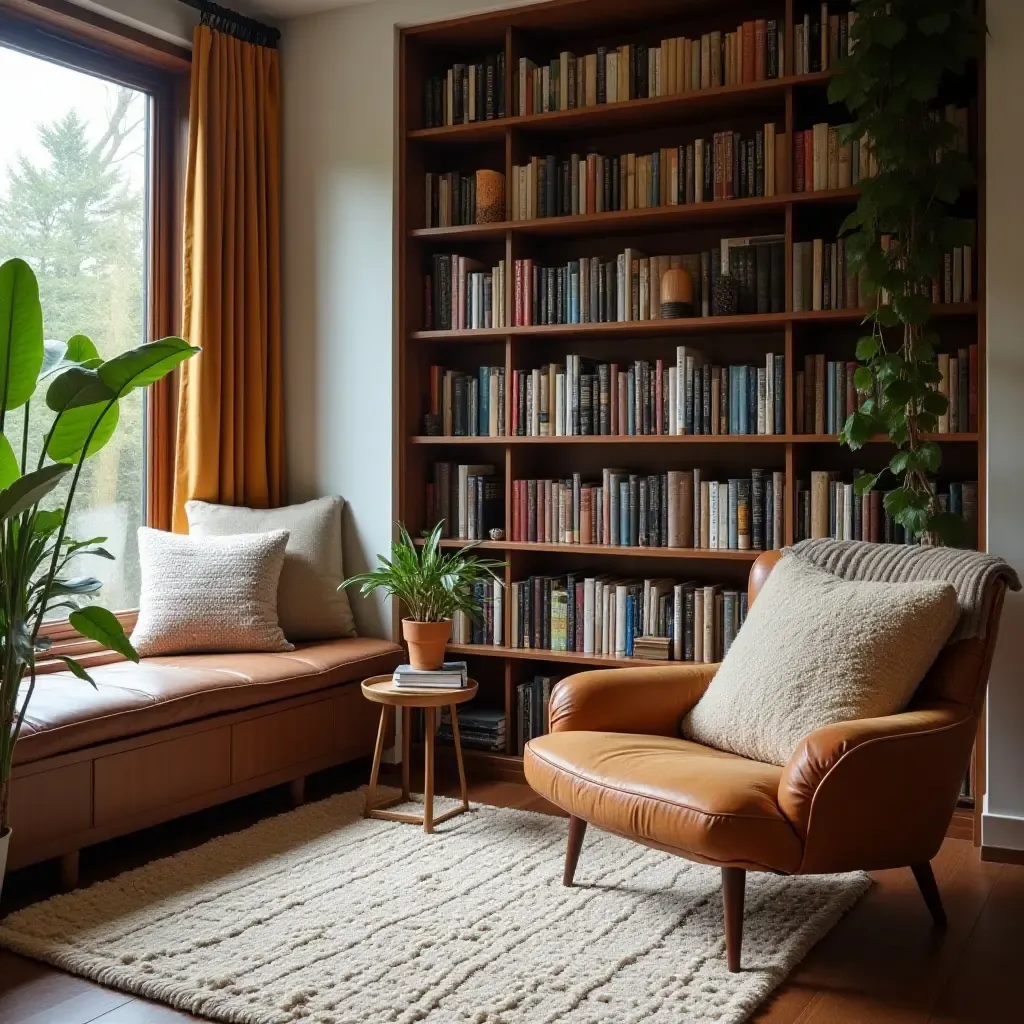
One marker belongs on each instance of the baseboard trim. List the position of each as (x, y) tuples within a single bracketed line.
[(998, 855), (1002, 832)]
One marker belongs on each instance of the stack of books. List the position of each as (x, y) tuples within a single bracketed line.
[(532, 699), (653, 648), (479, 728), (451, 675)]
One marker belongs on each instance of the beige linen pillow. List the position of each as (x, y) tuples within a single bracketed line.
[(308, 601), (816, 650), (209, 593)]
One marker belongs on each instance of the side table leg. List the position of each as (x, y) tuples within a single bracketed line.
[(406, 741), (428, 772), (371, 791), (458, 757)]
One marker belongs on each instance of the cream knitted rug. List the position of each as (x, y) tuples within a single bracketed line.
[(321, 917)]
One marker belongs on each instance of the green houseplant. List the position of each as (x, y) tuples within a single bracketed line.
[(432, 585), (906, 57), (83, 392)]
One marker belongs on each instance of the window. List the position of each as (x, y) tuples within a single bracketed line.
[(79, 201)]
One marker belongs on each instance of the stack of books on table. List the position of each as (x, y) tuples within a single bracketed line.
[(451, 675), (480, 728)]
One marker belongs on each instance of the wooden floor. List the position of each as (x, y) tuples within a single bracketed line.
[(884, 963)]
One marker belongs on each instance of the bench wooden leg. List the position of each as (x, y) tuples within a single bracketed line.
[(69, 871), (577, 830), (734, 882), (297, 791)]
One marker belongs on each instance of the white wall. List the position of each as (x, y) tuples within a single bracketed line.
[(338, 74), (1003, 819)]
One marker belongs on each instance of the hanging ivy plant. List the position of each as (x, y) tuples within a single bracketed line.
[(905, 54)]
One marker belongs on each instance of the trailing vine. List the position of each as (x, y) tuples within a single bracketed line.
[(904, 58)]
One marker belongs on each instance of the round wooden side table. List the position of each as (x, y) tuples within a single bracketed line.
[(381, 690)]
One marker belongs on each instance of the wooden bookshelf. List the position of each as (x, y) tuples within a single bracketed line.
[(793, 102)]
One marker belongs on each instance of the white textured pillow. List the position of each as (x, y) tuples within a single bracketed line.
[(816, 650), (309, 603), (209, 593)]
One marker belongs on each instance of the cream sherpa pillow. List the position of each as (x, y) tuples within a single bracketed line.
[(209, 593), (816, 650)]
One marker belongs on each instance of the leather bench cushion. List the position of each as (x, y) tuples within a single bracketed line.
[(690, 799), (68, 714)]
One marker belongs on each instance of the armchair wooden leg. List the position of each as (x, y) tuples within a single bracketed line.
[(925, 878), (577, 830), (734, 881)]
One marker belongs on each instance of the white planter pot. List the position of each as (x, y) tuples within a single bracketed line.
[(5, 841)]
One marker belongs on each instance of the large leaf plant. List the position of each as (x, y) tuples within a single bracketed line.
[(905, 57), (83, 392)]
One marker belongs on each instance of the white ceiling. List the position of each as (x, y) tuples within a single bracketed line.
[(283, 9)]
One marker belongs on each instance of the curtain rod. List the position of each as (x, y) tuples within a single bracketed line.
[(222, 19)]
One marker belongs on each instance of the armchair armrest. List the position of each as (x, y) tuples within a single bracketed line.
[(644, 700), (877, 792)]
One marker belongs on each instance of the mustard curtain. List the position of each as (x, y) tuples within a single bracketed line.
[(230, 434)]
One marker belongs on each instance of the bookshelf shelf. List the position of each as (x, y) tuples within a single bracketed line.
[(609, 551), (536, 654), (640, 126), (655, 219), (673, 328), (646, 113), (880, 439), (617, 439)]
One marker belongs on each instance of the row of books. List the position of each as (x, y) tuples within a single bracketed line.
[(822, 278), (830, 507), (532, 701), (453, 199), (676, 509), (479, 728), (466, 93), (466, 404), (825, 393), (603, 615), (752, 53), (824, 157), (628, 288), (461, 294), (729, 165), (487, 627), (820, 41), (468, 498), (583, 398)]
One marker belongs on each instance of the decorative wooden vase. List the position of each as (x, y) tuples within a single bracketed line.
[(426, 642), (676, 294), (490, 197)]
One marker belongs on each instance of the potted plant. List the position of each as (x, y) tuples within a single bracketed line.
[(905, 57), (432, 586), (83, 391)]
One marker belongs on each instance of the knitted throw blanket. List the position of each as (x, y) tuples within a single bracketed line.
[(970, 572)]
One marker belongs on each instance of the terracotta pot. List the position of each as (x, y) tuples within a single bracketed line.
[(427, 641)]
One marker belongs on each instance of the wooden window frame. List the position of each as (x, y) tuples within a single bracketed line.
[(77, 38)]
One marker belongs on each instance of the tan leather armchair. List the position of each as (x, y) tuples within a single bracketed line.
[(869, 794)]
